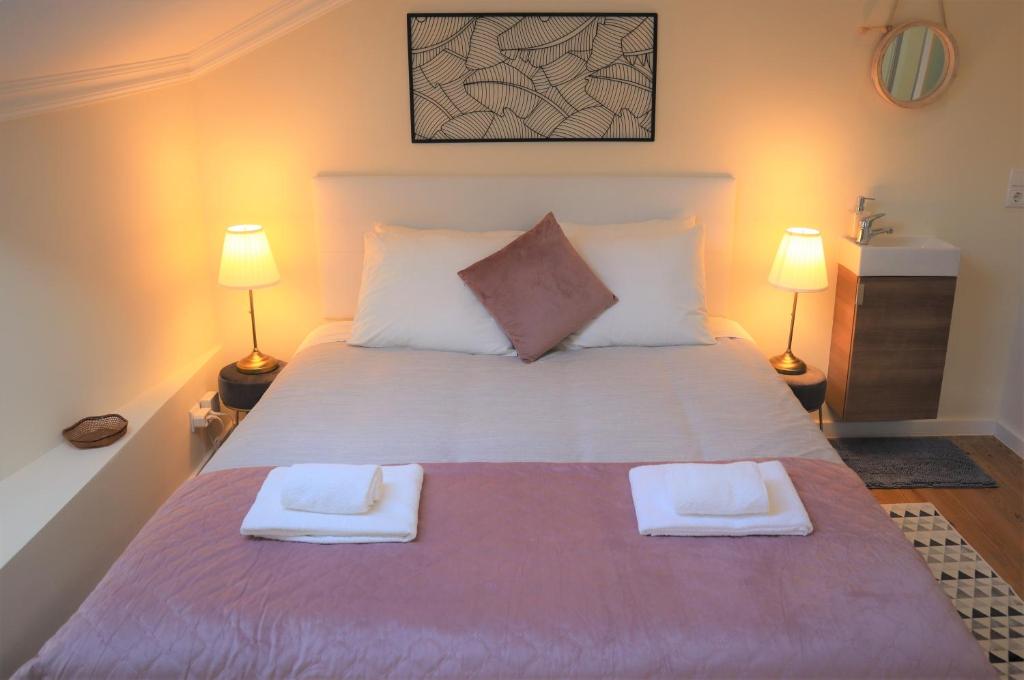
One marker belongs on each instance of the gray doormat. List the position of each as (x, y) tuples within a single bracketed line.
[(911, 462)]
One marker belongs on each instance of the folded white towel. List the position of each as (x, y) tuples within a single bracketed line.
[(717, 488), (394, 518), (656, 516), (331, 488)]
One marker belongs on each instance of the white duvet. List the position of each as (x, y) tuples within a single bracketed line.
[(342, 404)]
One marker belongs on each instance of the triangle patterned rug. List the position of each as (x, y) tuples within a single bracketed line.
[(987, 604)]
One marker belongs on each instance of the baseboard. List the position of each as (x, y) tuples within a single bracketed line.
[(929, 428), (1011, 438), (912, 428)]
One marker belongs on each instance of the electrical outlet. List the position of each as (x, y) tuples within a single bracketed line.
[(1015, 189), (197, 417)]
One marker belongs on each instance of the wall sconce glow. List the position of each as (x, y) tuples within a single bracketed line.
[(246, 262), (799, 266)]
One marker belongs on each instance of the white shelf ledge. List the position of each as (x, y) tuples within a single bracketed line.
[(33, 495)]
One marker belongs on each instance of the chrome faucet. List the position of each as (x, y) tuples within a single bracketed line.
[(863, 222), (865, 232)]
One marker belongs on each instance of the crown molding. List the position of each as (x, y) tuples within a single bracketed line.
[(30, 96), (267, 26)]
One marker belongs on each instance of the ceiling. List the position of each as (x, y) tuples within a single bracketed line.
[(48, 37)]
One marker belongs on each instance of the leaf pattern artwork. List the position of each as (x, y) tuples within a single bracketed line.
[(532, 77)]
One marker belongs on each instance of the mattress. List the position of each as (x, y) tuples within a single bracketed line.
[(337, 403)]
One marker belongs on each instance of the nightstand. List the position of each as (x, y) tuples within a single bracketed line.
[(809, 388), (240, 391)]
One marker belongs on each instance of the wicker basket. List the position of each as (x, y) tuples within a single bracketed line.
[(96, 431)]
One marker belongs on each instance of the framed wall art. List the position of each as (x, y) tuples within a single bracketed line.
[(532, 77)]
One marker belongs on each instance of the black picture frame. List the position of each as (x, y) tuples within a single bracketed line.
[(637, 68)]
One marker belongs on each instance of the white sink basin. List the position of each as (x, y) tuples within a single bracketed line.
[(900, 256)]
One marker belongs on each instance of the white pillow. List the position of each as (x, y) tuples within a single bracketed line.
[(411, 294), (656, 269)]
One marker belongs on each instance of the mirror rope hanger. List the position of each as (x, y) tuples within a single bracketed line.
[(888, 25)]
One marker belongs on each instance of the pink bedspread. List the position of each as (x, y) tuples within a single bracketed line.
[(519, 570)]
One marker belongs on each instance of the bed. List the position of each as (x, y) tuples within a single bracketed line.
[(528, 562)]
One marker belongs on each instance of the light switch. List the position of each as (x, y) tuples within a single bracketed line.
[(1015, 190)]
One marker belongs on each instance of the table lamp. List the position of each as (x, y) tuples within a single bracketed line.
[(246, 262), (800, 267)]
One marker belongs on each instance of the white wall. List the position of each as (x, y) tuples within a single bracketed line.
[(775, 93), (105, 271), (105, 292), (1010, 428)]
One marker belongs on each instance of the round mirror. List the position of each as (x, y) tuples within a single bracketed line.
[(914, 63)]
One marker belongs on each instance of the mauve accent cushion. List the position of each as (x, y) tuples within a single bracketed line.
[(538, 289)]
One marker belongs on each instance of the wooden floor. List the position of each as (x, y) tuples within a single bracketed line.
[(992, 520)]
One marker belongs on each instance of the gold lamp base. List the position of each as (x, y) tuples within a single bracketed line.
[(788, 364), (256, 362)]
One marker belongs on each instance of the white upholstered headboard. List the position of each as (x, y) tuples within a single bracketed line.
[(347, 206)]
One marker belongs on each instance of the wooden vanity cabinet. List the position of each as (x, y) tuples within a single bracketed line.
[(889, 336)]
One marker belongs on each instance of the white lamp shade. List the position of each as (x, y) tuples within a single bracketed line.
[(246, 260), (800, 262)]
